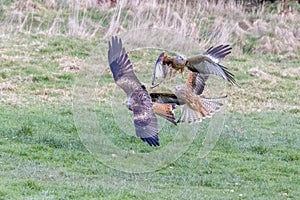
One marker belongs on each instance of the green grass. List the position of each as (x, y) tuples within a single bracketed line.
[(43, 156)]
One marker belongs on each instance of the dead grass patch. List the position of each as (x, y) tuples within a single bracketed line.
[(291, 73), (266, 91), (274, 33), (53, 94), (263, 75), (7, 86), (70, 64), (205, 22)]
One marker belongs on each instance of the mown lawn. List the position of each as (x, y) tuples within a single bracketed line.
[(43, 78)]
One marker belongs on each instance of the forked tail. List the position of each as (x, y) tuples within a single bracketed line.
[(209, 107)]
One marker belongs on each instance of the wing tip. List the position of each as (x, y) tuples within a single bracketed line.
[(228, 75), (152, 141)]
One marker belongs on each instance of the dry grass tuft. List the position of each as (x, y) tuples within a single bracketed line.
[(7, 87), (210, 24), (70, 65), (263, 75), (251, 29)]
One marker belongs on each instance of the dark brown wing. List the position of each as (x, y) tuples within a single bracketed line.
[(170, 98), (217, 54), (121, 67), (208, 63), (197, 82), (145, 121)]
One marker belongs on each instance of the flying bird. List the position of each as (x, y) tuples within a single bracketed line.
[(167, 67), (138, 98), (195, 107)]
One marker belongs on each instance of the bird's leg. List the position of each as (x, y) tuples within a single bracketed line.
[(182, 72)]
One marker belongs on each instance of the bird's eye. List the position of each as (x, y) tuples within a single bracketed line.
[(178, 57)]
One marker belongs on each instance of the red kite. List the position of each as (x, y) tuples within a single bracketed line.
[(195, 107), (206, 64), (138, 99)]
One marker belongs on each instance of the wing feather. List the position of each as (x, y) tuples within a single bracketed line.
[(208, 63), (218, 53), (161, 70), (197, 82), (209, 107), (165, 110), (121, 67), (205, 65), (145, 121), (169, 98)]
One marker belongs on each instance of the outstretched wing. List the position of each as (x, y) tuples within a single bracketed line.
[(209, 63), (218, 53), (145, 121), (161, 69), (121, 67)]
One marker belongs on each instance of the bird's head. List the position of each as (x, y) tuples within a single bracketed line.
[(180, 59)]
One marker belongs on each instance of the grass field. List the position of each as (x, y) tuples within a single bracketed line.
[(42, 154)]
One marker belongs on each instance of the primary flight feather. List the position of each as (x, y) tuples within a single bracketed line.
[(138, 99)]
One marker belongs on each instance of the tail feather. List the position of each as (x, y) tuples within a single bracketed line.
[(165, 110), (189, 115), (209, 107)]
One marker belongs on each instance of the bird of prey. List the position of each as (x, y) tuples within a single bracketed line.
[(195, 107), (206, 64), (138, 98)]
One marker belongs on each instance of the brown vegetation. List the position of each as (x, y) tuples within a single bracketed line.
[(259, 28)]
